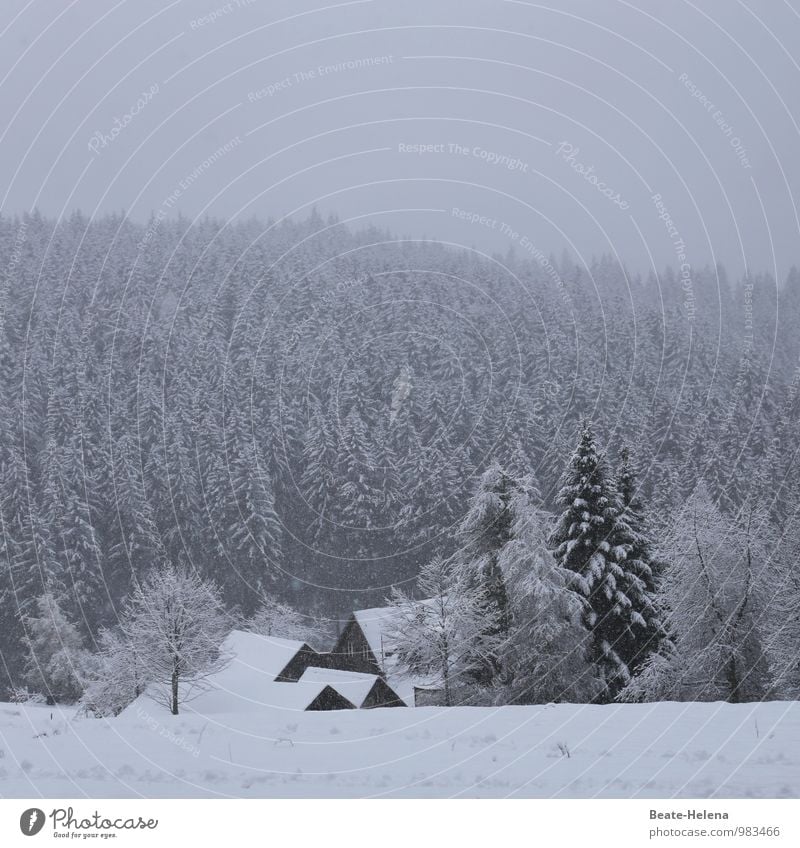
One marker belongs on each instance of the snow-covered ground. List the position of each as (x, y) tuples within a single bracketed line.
[(651, 750)]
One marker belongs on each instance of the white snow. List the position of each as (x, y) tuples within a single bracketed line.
[(627, 750)]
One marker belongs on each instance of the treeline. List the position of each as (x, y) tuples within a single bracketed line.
[(298, 411), (582, 606)]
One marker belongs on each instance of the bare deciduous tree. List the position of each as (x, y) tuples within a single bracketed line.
[(176, 623)]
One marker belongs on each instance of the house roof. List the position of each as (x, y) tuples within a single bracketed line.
[(351, 684), (262, 655)]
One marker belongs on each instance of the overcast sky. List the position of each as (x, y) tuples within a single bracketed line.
[(551, 125)]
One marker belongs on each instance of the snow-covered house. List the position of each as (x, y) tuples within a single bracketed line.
[(265, 672), (365, 646)]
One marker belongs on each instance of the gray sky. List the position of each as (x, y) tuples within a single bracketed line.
[(227, 108)]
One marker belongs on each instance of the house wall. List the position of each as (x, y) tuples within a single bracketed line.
[(428, 697), (352, 651)]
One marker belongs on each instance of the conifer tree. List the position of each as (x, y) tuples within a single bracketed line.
[(641, 565), (591, 539), (84, 574), (56, 659), (252, 528), (116, 677)]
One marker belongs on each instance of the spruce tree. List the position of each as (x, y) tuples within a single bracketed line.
[(318, 480), (642, 568), (591, 539), (56, 659)]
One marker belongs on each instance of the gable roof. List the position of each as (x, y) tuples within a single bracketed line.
[(330, 699), (262, 655), (352, 685)]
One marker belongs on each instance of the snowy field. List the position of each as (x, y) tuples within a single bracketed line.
[(651, 750)]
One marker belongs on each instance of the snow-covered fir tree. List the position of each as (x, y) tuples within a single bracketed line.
[(782, 598), (641, 565), (592, 540), (116, 678), (256, 534), (57, 660)]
